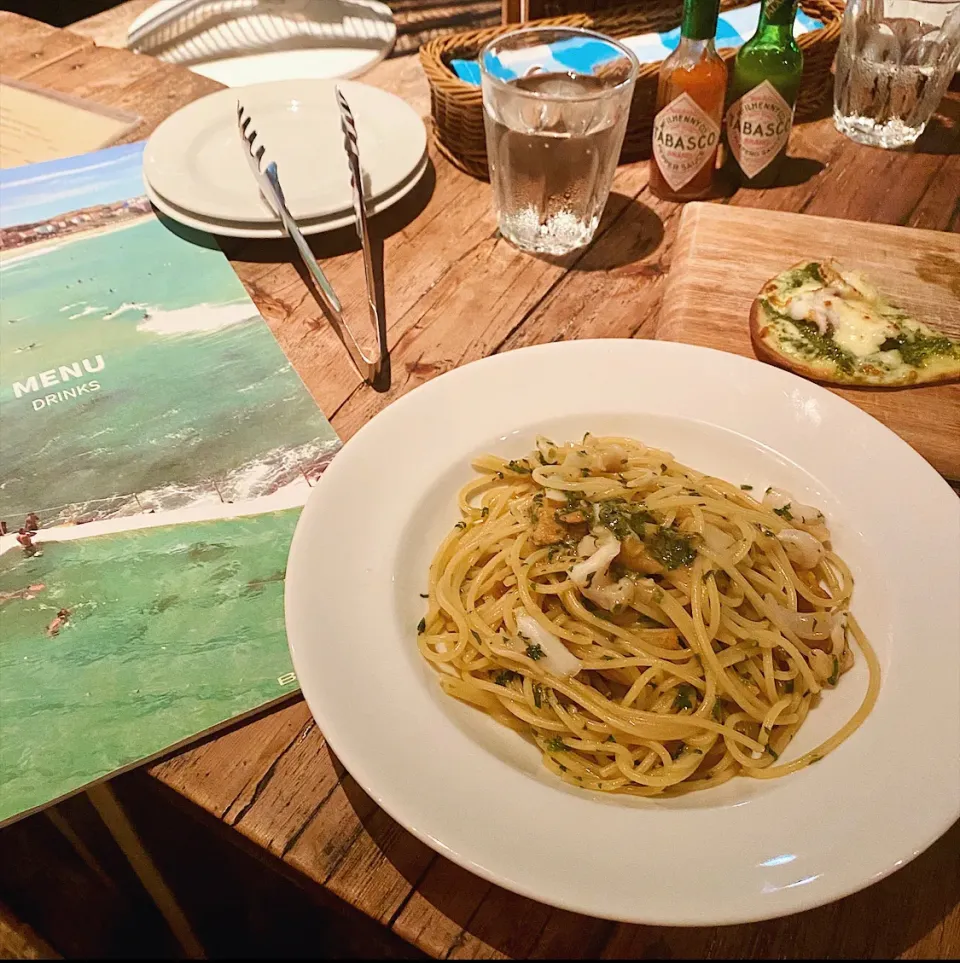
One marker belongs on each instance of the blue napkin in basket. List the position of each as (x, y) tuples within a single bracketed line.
[(581, 54)]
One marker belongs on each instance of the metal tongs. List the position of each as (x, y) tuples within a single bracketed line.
[(375, 371)]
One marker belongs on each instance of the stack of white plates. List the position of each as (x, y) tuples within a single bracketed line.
[(196, 170)]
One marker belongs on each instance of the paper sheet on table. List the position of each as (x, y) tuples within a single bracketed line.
[(38, 126)]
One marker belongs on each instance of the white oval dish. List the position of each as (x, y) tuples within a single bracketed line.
[(314, 39), (478, 794), (273, 230), (195, 159)]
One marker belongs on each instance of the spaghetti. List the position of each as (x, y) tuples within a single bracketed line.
[(653, 629)]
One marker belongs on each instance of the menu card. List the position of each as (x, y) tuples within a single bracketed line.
[(157, 448)]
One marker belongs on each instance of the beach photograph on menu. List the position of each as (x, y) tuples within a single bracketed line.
[(156, 450)]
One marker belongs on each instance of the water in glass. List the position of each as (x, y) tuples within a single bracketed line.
[(552, 163), (893, 70), (553, 134)]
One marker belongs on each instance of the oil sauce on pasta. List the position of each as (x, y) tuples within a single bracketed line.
[(652, 629)]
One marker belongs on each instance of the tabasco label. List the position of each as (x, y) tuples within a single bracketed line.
[(758, 125), (684, 139)]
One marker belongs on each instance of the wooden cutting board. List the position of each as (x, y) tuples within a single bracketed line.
[(723, 255)]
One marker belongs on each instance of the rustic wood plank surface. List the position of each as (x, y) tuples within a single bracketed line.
[(723, 255), (455, 292)]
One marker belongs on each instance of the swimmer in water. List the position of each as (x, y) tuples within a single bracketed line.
[(25, 593), (58, 623)]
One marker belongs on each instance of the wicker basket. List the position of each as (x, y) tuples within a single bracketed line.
[(457, 106)]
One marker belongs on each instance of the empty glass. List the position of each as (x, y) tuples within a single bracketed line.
[(894, 62), (555, 103)]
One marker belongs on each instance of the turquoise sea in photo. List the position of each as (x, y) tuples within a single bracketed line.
[(194, 389), (172, 630)]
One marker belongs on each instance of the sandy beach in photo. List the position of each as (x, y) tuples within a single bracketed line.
[(293, 495), (10, 256)]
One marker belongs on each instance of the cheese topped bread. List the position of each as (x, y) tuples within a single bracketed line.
[(832, 324)]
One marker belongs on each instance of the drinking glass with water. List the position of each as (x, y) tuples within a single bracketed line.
[(555, 103), (894, 63)]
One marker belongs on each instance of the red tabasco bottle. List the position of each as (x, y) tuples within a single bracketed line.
[(690, 97)]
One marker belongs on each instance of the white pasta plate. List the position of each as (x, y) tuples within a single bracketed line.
[(478, 793)]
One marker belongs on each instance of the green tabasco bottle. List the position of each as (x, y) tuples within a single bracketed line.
[(763, 91)]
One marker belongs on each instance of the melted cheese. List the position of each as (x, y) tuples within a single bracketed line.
[(856, 326), (858, 329), (856, 280)]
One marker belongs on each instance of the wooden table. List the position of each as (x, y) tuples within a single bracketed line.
[(456, 292)]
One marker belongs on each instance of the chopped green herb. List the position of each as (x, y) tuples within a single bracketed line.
[(685, 696), (608, 658), (585, 472), (460, 525), (639, 519), (917, 348), (421, 626), (623, 519), (788, 687), (424, 595), (671, 549), (507, 675), (773, 752), (484, 511), (519, 467), (663, 466), (836, 672), (718, 710), (562, 767), (747, 488), (556, 744), (534, 651), (784, 512), (658, 594), (475, 634), (769, 489), (800, 276), (538, 696), (810, 343), (677, 752), (610, 739), (815, 759), (499, 474), (611, 516)]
